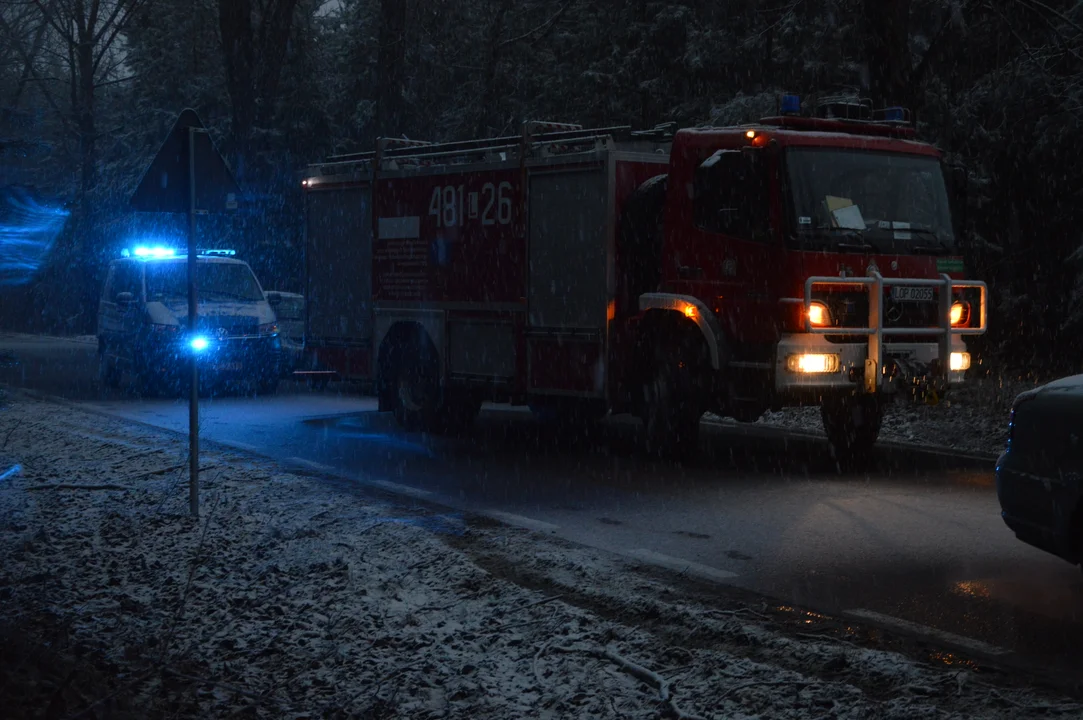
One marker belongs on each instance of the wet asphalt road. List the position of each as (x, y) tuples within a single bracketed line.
[(912, 537)]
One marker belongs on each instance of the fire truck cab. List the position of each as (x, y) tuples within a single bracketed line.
[(798, 260)]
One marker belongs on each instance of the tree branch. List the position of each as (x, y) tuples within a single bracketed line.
[(51, 18), (33, 71), (1038, 4), (544, 28)]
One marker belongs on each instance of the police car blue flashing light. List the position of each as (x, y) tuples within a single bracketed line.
[(199, 343), (158, 251)]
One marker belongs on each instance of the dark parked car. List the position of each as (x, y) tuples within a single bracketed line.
[(1040, 475)]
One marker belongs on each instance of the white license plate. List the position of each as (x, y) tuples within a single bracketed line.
[(227, 367), (904, 293)]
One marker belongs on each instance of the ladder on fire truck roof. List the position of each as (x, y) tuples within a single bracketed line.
[(538, 139)]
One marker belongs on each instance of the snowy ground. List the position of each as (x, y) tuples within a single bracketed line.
[(301, 597), (972, 419)]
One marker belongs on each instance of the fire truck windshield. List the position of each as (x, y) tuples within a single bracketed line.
[(216, 281), (875, 201)]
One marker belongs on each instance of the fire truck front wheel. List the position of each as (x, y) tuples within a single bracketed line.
[(672, 408), (852, 424)]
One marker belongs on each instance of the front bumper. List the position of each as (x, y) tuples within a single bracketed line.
[(1037, 509), (904, 364), (253, 356)]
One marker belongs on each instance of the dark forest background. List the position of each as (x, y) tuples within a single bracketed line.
[(88, 89)]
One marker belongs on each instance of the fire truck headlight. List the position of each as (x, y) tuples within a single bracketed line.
[(818, 315), (813, 363), (960, 314), (199, 343), (960, 361)]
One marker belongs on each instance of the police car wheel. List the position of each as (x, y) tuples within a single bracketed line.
[(150, 381), (108, 372), (267, 385)]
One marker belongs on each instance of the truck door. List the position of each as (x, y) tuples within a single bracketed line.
[(730, 256), (338, 267), (567, 281)]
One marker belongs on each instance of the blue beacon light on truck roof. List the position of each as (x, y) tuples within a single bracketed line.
[(791, 105)]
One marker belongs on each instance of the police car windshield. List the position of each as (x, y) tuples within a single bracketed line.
[(214, 281), (888, 202)]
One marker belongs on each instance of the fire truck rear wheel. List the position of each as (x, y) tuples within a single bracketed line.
[(416, 390), (672, 409), (852, 424)]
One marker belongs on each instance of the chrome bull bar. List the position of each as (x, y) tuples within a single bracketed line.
[(875, 330)]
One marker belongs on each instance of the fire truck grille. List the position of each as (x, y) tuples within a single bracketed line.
[(852, 310)]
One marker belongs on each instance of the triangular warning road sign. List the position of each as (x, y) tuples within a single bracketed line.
[(165, 185)]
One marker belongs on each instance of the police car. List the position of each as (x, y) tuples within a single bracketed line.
[(143, 322)]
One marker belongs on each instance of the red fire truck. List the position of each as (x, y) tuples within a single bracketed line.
[(809, 258)]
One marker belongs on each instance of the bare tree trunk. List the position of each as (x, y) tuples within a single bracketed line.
[(254, 57), (84, 56), (235, 24), (488, 100), (28, 64), (390, 68), (887, 49)]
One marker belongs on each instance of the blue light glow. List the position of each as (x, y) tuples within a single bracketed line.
[(11, 472), (895, 114), (199, 343), (791, 104), (158, 251), (28, 231)]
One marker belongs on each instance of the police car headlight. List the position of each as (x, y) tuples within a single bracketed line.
[(199, 343)]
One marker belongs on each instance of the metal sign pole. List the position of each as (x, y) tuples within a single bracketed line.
[(193, 397)]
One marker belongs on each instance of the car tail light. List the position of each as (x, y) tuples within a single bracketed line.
[(268, 329)]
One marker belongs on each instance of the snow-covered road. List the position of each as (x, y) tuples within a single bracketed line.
[(914, 542), (294, 597)]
